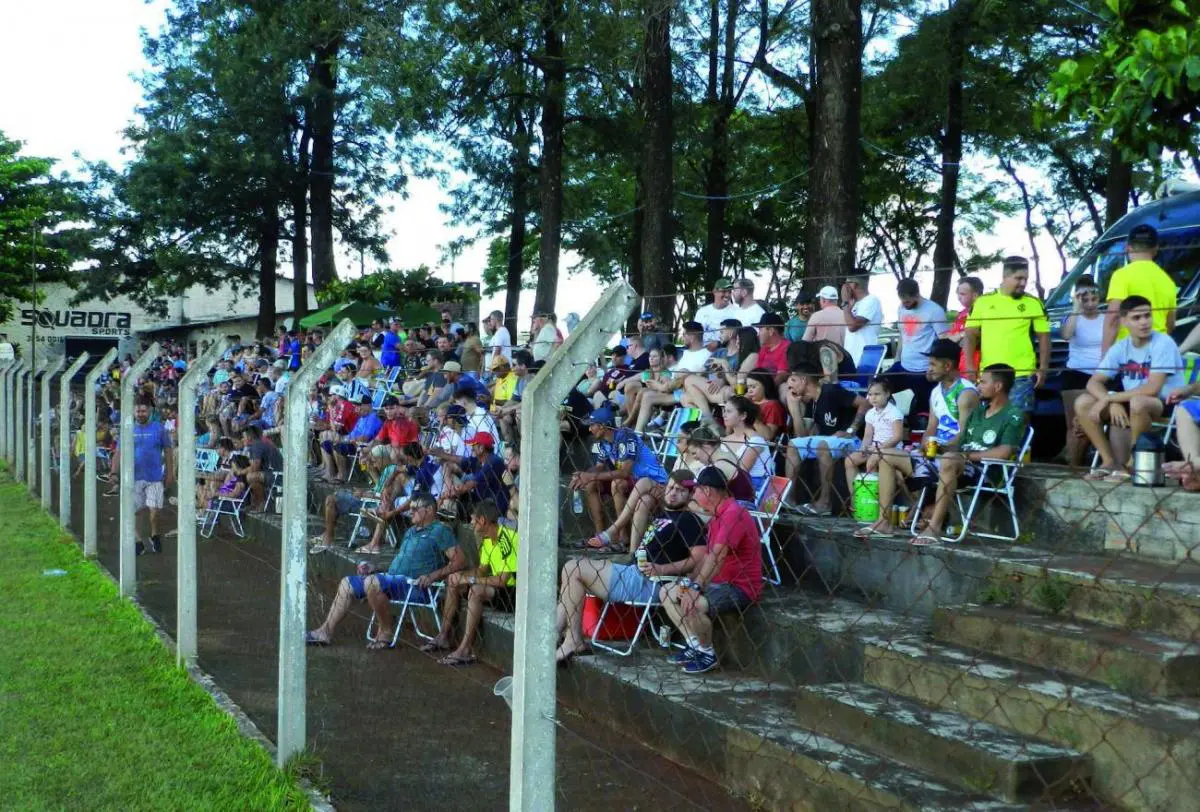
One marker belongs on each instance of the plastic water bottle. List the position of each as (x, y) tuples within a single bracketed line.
[(577, 503)]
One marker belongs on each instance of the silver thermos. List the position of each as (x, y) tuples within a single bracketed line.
[(1148, 455)]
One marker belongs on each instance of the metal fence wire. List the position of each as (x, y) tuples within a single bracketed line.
[(753, 612)]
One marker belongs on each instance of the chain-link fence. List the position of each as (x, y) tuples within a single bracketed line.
[(804, 580)]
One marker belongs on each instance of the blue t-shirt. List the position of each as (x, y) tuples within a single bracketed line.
[(389, 354), (488, 477), (423, 550), (1133, 365), (366, 429), (469, 379), (626, 445), (149, 442), (294, 351)]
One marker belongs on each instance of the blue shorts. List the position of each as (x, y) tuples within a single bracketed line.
[(724, 598), (1192, 407), (396, 587), (1021, 395), (838, 446), (346, 502), (626, 584)]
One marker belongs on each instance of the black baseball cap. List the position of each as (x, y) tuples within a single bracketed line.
[(711, 477), (945, 349), (1145, 236), (391, 400)]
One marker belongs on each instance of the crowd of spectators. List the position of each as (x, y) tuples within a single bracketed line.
[(429, 420)]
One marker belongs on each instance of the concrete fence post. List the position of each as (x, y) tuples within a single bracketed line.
[(293, 574), (29, 427), (532, 785), (6, 410), (18, 424), (128, 566), (89, 451), (47, 377), (64, 439), (185, 561)]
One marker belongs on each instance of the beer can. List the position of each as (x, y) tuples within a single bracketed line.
[(739, 388), (663, 634), (931, 448), (641, 556)]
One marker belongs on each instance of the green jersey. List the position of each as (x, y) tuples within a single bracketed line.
[(1005, 427)]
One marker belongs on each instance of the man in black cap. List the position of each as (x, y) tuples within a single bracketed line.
[(1142, 276), (727, 579), (794, 329), (772, 346), (651, 334)]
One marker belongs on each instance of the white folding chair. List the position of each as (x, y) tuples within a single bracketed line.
[(1005, 474), (224, 506), (767, 506), (207, 460), (368, 503), (645, 619), (664, 446), (431, 595), (274, 489)]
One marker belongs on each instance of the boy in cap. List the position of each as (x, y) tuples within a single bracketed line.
[(727, 579)]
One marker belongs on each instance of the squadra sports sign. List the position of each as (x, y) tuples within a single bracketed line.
[(86, 322)]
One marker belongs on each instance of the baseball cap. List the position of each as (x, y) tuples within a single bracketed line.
[(391, 400), (452, 366), (723, 284), (604, 416), (500, 361), (647, 316), (619, 350), (770, 320), (945, 349), (1143, 235), (456, 411), (683, 477), (710, 476), (339, 390), (483, 438), (828, 292), (803, 297), (734, 323)]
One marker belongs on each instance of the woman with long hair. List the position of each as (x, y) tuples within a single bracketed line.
[(752, 450)]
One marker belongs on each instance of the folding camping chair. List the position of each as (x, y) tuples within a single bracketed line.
[(368, 503), (207, 460), (1004, 472), (224, 506), (645, 620), (430, 602), (869, 364), (765, 512), (665, 446)]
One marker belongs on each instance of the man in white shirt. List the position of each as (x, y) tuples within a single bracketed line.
[(711, 315), (863, 314), (671, 391), (499, 342), (920, 323), (545, 337), (694, 355), (746, 310)]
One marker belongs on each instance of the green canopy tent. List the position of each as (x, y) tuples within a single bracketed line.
[(414, 314), (361, 314)]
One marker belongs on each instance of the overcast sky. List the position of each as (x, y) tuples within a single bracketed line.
[(69, 66)]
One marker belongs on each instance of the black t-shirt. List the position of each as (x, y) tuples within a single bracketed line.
[(245, 391), (641, 363), (268, 455), (833, 410), (671, 536)]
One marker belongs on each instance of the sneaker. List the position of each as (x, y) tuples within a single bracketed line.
[(682, 657), (155, 544), (701, 661), (139, 548)]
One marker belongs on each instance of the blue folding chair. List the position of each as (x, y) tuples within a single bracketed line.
[(868, 367)]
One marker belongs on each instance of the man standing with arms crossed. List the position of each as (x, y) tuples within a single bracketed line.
[(999, 327), (863, 314)]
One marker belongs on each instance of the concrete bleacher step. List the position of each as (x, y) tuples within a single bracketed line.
[(1134, 662), (964, 752), (1113, 589), (739, 730), (1145, 752)]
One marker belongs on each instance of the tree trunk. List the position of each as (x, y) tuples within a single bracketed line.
[(716, 184), (268, 259), (1117, 185), (519, 208), (554, 97), (657, 171), (835, 159), (300, 231), (945, 258), (324, 266), (637, 279)]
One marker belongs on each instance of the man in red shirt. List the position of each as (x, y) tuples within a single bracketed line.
[(342, 416), (772, 349), (727, 579), (398, 430)]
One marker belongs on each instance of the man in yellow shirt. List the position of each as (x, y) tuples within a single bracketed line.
[(999, 327), (1141, 276), (494, 581), (505, 383)]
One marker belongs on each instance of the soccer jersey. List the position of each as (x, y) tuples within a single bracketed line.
[(499, 555), (626, 445), (1145, 277), (1004, 323), (943, 405), (1005, 427)]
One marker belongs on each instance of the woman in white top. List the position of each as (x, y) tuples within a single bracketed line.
[(752, 450), (1084, 332)]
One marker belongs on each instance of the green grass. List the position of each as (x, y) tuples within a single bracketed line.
[(94, 713)]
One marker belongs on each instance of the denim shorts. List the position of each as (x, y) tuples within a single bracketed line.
[(626, 584), (346, 502), (838, 446), (1021, 395), (394, 586), (725, 598)]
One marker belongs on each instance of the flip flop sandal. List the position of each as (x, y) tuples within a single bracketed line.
[(311, 639), (1118, 476), (1097, 475), (378, 645), (457, 662), (431, 647), (603, 537), (924, 541)]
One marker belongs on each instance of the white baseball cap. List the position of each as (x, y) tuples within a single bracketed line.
[(339, 390), (828, 292)]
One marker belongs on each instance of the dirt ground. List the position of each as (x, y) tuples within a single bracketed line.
[(393, 729)]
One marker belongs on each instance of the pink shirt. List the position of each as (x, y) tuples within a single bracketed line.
[(733, 526), (773, 359), (827, 324)]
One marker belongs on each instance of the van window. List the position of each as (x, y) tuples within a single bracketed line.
[(1099, 263), (1178, 254)]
